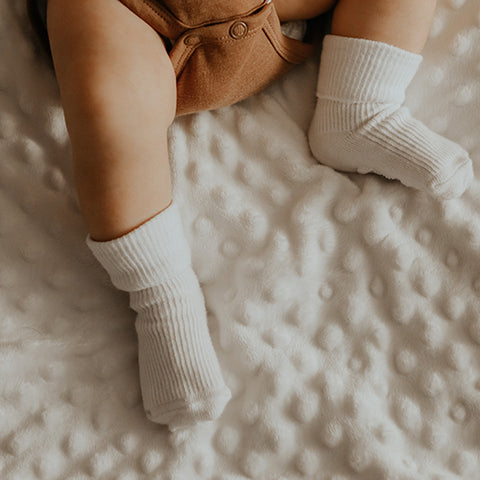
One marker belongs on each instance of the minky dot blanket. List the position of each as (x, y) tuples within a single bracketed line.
[(344, 308)]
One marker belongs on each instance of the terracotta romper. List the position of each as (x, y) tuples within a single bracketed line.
[(222, 51)]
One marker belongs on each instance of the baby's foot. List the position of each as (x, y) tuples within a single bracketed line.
[(388, 141), (179, 372), (180, 375), (360, 125)]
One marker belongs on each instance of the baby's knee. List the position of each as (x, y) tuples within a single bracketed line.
[(105, 56)]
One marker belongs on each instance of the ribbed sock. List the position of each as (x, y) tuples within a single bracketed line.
[(360, 125), (180, 376)]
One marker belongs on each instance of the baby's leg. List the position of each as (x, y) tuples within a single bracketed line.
[(359, 123), (119, 95)]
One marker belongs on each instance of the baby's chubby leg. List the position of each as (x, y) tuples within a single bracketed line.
[(119, 96), (360, 124)]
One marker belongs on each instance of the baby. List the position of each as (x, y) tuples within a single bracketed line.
[(119, 93)]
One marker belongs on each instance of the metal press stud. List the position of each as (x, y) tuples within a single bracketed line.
[(238, 30)]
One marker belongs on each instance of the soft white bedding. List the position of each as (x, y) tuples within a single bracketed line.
[(345, 309)]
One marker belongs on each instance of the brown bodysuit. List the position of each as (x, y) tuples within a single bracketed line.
[(222, 51)]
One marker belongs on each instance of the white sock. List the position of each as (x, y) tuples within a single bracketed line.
[(180, 376), (360, 125)]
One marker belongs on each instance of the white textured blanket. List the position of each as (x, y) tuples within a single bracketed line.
[(345, 309)]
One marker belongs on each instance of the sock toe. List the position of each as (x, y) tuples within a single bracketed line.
[(457, 183), (184, 413)]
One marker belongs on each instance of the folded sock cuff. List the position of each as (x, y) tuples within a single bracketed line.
[(147, 256), (361, 70)]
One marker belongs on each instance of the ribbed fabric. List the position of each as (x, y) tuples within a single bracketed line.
[(148, 255), (180, 376), (360, 125)]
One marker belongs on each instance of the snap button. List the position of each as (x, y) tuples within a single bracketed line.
[(238, 30), (191, 40)]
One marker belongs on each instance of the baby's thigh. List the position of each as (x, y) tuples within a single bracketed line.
[(101, 50), (301, 9)]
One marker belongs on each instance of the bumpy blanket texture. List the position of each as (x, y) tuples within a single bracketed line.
[(345, 309)]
